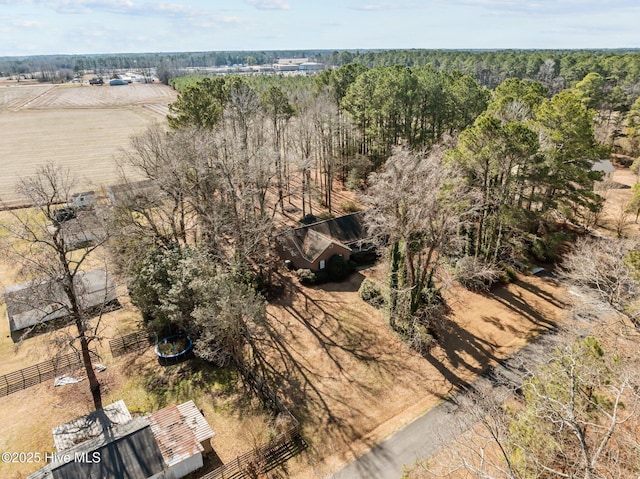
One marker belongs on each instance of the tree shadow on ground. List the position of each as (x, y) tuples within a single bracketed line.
[(168, 384), (315, 326), (461, 353), (516, 303), (350, 284)]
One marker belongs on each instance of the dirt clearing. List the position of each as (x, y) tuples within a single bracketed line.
[(355, 382)]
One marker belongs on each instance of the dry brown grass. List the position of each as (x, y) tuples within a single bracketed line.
[(616, 200), (357, 383), (353, 382)]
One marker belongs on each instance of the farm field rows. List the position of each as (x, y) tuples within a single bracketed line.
[(81, 128)]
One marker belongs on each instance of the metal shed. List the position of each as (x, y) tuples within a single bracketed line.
[(42, 300)]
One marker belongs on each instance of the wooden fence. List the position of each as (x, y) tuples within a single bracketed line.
[(33, 375), (263, 459), (271, 455), (257, 461), (130, 342)]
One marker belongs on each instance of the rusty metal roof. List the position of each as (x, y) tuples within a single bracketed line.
[(179, 430), (196, 421)]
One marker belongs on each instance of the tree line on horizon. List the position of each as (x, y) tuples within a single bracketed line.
[(558, 69)]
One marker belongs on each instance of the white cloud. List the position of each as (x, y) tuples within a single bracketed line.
[(27, 23), (550, 7), (269, 4), (129, 8), (511, 7), (372, 7), (87, 6)]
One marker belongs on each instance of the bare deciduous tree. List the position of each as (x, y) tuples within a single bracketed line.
[(417, 206), (601, 264), (207, 187), (53, 251), (575, 418)]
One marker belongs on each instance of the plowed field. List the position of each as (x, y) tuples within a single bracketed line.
[(83, 128)]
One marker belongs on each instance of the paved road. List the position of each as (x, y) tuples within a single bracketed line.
[(430, 432)]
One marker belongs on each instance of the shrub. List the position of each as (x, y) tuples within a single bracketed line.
[(324, 215), (371, 293), (322, 276), (547, 247), (353, 180), (338, 268), (308, 219), (420, 338), (476, 275), (350, 206), (510, 274), (369, 256), (306, 276)]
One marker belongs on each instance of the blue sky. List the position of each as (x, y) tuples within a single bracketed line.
[(34, 27)]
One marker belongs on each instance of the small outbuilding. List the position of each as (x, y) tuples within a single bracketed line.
[(606, 167), (123, 451), (126, 194), (110, 444), (36, 302)]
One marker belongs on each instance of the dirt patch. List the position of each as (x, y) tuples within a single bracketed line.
[(353, 382), (617, 196)]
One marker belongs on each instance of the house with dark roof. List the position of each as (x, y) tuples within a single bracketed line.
[(311, 246), (109, 444)]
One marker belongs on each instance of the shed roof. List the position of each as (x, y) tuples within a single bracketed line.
[(196, 421), (603, 165), (179, 431), (128, 451), (68, 435), (88, 227), (42, 300), (126, 193)]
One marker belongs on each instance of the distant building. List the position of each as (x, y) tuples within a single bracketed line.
[(606, 167), (291, 61), (289, 64), (311, 67), (110, 444)]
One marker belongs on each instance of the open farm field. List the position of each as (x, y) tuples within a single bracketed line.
[(80, 127)]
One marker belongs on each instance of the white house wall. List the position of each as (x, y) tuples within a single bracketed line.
[(183, 468)]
